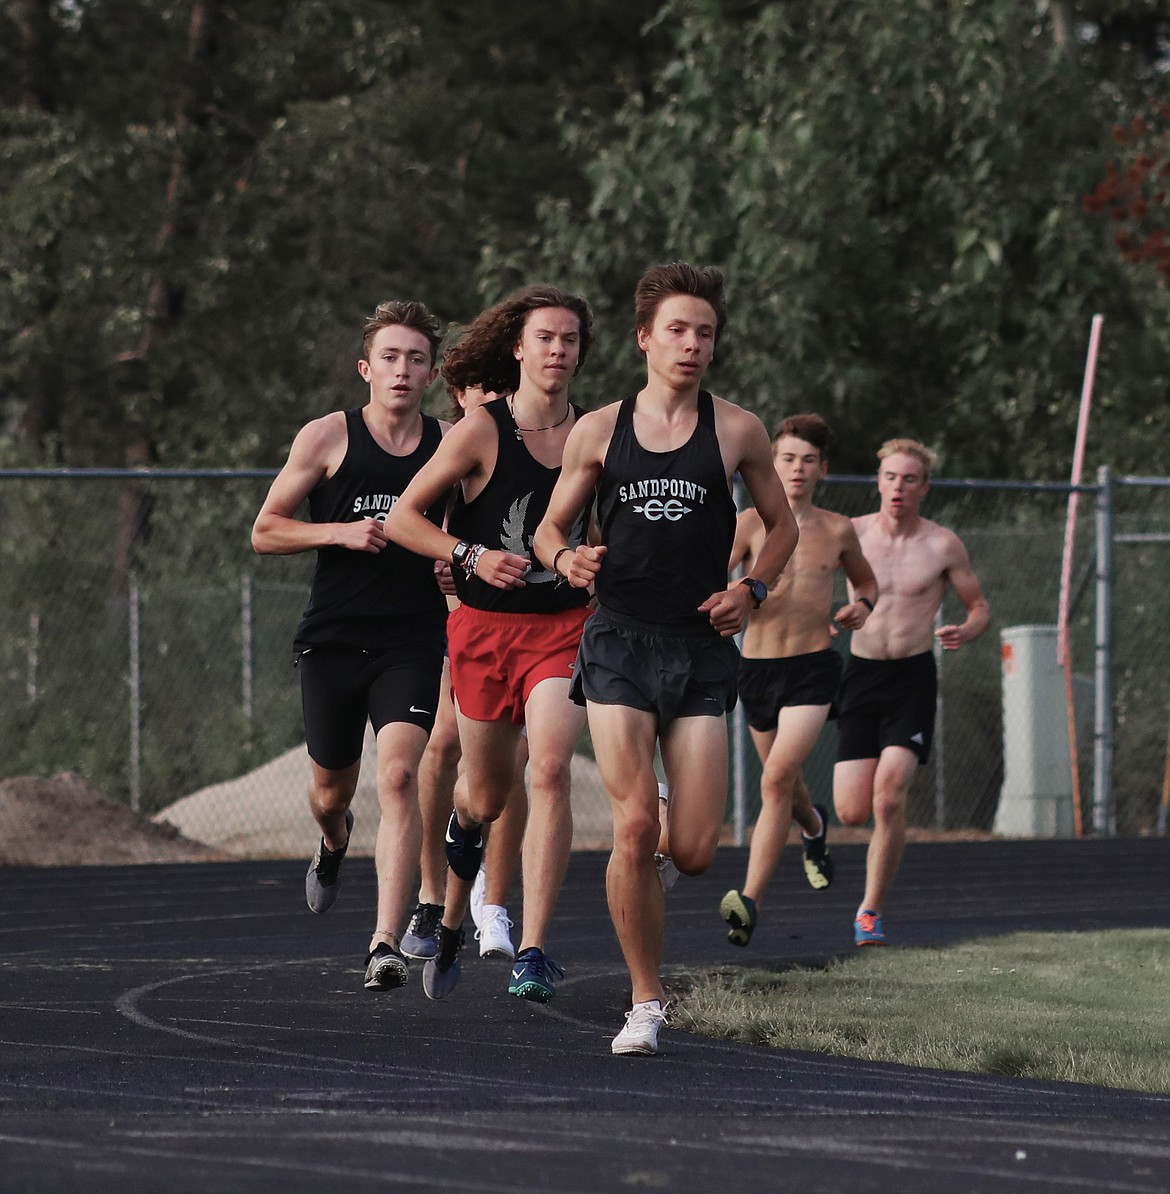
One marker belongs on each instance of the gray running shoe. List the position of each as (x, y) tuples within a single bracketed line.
[(421, 939), (668, 873), (385, 968), (441, 973), (323, 881)]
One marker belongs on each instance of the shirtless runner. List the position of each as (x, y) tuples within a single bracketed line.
[(789, 674), (886, 704)]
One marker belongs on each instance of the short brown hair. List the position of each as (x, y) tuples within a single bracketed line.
[(810, 428), (484, 357), (405, 314), (660, 282), (910, 447)]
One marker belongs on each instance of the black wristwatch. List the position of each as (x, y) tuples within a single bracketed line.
[(460, 553), (758, 589)]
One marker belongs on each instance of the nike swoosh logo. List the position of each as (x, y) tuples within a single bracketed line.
[(517, 973), (415, 710), (448, 836)]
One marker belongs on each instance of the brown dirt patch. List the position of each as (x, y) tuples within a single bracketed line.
[(63, 821)]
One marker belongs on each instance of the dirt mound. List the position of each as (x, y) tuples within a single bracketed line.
[(63, 821)]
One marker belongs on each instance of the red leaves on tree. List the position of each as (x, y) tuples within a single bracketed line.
[(1127, 194)]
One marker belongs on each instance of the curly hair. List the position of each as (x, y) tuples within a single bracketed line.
[(405, 314), (484, 356)]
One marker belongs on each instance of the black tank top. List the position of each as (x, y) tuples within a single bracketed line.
[(504, 516), (360, 599), (668, 520)]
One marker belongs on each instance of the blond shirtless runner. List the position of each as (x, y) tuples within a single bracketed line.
[(788, 675), (886, 704)]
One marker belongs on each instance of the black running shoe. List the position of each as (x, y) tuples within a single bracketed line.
[(385, 968), (534, 976), (818, 866), (441, 973), (464, 849), (421, 939), (323, 881), (740, 913)]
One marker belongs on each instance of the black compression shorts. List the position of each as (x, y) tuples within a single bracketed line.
[(341, 687)]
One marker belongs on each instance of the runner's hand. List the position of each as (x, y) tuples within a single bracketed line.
[(580, 567), (852, 616), (444, 579), (728, 609), (502, 569), (364, 535)]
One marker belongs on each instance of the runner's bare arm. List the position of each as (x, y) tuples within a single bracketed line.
[(316, 451), (863, 584), (459, 455), (751, 450), (580, 470), (963, 580), (749, 534)]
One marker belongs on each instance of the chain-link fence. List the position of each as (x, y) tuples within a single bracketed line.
[(144, 647)]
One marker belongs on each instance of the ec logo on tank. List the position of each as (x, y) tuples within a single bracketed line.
[(653, 510)]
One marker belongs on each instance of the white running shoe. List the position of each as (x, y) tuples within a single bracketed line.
[(663, 792), (495, 941), (639, 1038), (667, 872), (477, 893)]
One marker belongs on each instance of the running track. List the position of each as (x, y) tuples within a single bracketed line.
[(195, 1028)]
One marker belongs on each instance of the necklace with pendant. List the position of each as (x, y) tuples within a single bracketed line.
[(522, 431)]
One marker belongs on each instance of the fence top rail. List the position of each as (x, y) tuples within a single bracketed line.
[(1157, 482), (229, 474), (972, 483), (143, 474)]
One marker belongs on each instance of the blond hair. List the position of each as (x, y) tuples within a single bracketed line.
[(910, 447)]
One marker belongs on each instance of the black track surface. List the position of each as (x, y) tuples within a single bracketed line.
[(196, 1028)]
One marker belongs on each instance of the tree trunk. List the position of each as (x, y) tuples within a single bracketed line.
[(162, 304)]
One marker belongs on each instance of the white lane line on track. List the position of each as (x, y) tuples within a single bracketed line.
[(330, 1173)]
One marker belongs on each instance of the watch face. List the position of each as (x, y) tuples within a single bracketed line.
[(758, 590), (460, 553)]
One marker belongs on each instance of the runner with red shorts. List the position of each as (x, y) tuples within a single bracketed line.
[(514, 638)]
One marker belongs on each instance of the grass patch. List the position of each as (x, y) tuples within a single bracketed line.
[(1074, 1007)]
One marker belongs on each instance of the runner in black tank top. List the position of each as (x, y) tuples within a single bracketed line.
[(514, 638), (657, 664), (370, 644), (359, 599), (667, 520), (504, 515)]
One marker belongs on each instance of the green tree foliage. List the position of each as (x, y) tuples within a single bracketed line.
[(200, 201), (895, 195)]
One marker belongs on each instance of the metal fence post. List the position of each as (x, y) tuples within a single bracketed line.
[(940, 772), (1103, 816), (246, 657), (34, 645), (135, 695)]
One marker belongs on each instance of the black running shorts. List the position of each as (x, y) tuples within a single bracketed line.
[(768, 685), (342, 686), (886, 702), (675, 673)]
